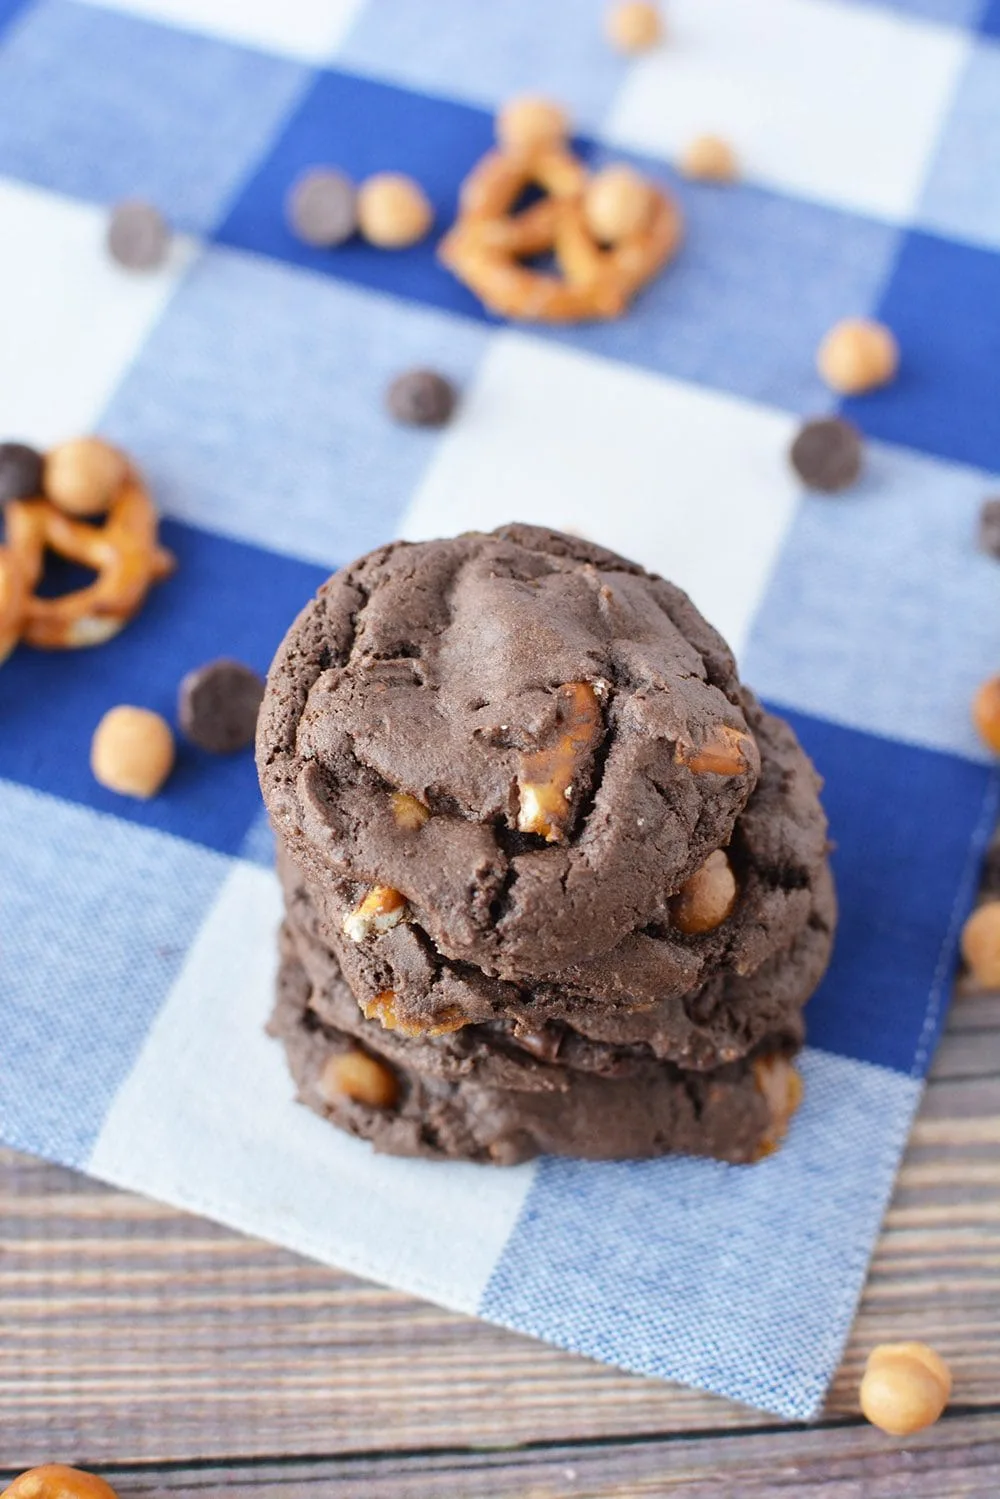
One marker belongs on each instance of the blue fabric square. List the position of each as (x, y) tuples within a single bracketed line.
[(758, 280), (103, 106), (224, 600), (493, 52), (738, 1279), (961, 13), (8, 10), (96, 917), (968, 156), (257, 405), (365, 127), (909, 828), (882, 583), (941, 303)]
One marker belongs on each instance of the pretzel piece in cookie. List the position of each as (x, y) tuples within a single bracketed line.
[(489, 242), (123, 551)]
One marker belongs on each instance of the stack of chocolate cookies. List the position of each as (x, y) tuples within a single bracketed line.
[(555, 882)]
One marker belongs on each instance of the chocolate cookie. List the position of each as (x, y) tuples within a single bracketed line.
[(778, 854), (529, 742), (721, 1022), (738, 1113)]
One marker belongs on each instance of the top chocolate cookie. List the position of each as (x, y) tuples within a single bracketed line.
[(519, 740)]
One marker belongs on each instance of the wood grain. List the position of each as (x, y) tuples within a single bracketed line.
[(137, 1336), (959, 1461)]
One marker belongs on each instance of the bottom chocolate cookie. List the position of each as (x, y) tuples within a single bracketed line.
[(738, 1113)]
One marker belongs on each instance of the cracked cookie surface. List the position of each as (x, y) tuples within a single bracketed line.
[(701, 998), (572, 727)]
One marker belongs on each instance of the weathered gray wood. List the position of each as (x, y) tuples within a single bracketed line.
[(959, 1459), (130, 1333)]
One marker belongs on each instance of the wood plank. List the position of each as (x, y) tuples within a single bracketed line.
[(133, 1333), (969, 1051), (958, 1459)]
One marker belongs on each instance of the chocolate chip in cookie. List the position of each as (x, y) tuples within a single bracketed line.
[(218, 706), (827, 454)]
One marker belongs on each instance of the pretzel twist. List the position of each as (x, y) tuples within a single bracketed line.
[(16, 578), (488, 242), (123, 552)]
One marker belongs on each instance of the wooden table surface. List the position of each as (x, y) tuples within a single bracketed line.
[(181, 1359)]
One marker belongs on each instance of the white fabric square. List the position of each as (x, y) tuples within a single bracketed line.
[(207, 1120), (72, 319), (693, 482), (307, 29), (838, 102)]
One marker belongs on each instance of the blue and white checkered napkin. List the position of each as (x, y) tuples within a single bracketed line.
[(137, 954)]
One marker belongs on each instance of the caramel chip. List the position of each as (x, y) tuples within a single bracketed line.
[(527, 122), (132, 751), (905, 1387), (634, 25), (56, 1481), (981, 944), (618, 201), (408, 813), (858, 355), (393, 211), (84, 475), (708, 897), (361, 1078), (546, 779), (708, 158), (727, 752), (986, 713)]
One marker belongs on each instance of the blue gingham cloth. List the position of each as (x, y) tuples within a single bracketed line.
[(137, 949)]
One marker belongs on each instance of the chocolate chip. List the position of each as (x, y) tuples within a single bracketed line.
[(138, 236), (321, 207), (989, 528), (827, 454), (421, 398), (218, 705), (20, 472)]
